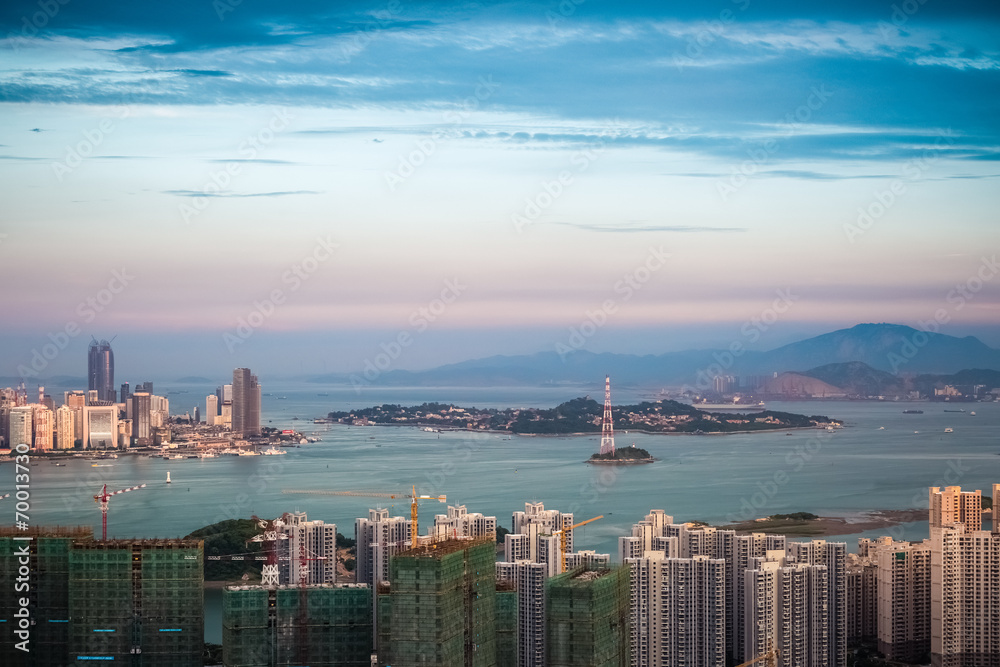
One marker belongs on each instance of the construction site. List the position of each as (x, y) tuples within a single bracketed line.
[(319, 625), (440, 607), (587, 618), (137, 601)]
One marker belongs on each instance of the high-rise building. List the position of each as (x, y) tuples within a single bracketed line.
[(965, 584), (142, 428), (995, 511), (377, 539), (44, 427), (953, 506), (77, 401), (315, 540), (746, 549), (100, 427), (211, 409), (125, 394), (459, 523), (904, 600), (65, 428), (539, 543), (862, 597), (246, 403), (263, 626), (833, 555), (787, 609), (21, 426), (135, 601), (101, 370), (587, 615), (441, 606), (965, 597), (528, 579)]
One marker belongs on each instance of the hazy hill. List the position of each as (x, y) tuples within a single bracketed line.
[(882, 347), (857, 378), (797, 385)]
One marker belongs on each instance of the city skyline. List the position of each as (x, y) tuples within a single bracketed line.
[(304, 184)]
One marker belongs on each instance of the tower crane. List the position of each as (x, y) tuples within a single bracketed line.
[(771, 656), (562, 538), (102, 499), (414, 532)]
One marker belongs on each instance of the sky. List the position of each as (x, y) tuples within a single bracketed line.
[(296, 187)]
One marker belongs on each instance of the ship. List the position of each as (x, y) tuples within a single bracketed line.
[(913, 412), (273, 452)]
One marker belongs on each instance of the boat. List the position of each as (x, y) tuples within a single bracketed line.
[(954, 410), (972, 414), (881, 428), (913, 412), (273, 452), (248, 452), (949, 430)]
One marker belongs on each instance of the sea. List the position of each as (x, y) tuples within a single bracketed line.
[(880, 459)]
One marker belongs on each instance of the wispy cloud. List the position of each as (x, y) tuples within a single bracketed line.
[(226, 195)]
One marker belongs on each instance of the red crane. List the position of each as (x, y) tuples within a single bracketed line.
[(102, 499)]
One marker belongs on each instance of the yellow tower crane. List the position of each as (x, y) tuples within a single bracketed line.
[(414, 532), (562, 538), (771, 656)]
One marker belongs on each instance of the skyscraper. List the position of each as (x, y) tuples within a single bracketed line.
[(65, 427), (101, 369), (246, 403), (141, 427)]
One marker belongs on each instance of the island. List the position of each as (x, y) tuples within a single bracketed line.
[(623, 456), (580, 416)]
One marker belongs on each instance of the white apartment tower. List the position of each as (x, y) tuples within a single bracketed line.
[(529, 581), (317, 541), (904, 600), (378, 538), (459, 523)]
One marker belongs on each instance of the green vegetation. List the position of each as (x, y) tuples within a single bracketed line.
[(579, 415), (987, 502), (795, 516), (345, 542), (228, 538), (501, 531), (632, 453)]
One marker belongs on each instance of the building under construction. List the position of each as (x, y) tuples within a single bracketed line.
[(506, 620), (47, 590), (440, 608), (138, 602), (587, 617), (268, 627)]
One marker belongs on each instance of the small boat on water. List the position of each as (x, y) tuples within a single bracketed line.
[(913, 412), (949, 430)]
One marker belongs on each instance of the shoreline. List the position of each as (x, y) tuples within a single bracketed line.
[(580, 433), (827, 526)]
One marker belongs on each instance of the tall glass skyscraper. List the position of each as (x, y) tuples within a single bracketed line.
[(246, 403), (101, 369)]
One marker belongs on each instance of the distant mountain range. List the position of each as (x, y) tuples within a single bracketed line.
[(890, 348)]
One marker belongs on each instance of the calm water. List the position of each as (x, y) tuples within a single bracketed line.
[(711, 478)]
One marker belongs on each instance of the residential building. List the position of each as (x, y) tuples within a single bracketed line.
[(587, 618), (377, 539), (316, 541), (459, 523), (65, 427), (904, 601)]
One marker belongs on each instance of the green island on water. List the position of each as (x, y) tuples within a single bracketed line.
[(581, 416)]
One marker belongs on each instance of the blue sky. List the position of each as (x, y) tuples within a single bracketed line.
[(536, 153)]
